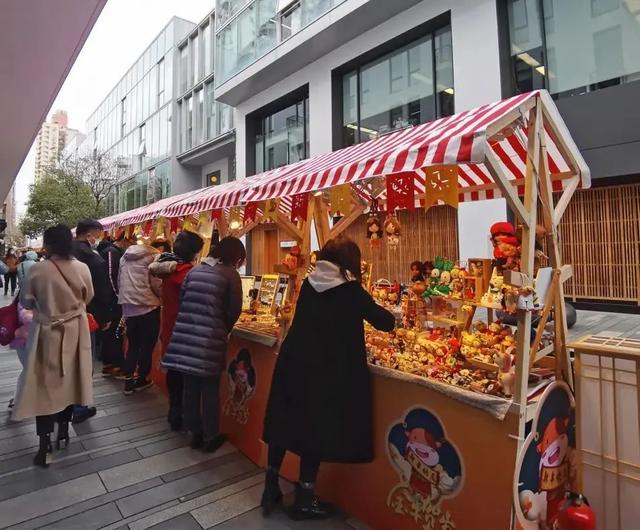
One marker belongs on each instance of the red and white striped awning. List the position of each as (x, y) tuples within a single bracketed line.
[(460, 140)]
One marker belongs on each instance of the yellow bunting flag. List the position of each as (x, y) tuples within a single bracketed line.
[(235, 218), (158, 231), (205, 225), (137, 231), (190, 224), (128, 231), (271, 209), (340, 199), (441, 184)]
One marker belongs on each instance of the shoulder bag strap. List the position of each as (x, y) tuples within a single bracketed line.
[(61, 274)]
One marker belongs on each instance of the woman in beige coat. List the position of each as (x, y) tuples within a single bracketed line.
[(58, 371)]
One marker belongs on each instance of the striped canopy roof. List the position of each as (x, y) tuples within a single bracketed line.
[(464, 139)]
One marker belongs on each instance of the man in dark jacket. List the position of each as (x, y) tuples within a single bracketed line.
[(88, 232), (210, 304), (111, 347)]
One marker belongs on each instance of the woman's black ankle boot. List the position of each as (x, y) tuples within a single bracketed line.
[(308, 506), (272, 495), (42, 456), (62, 441)]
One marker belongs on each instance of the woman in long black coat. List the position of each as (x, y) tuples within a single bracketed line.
[(320, 403)]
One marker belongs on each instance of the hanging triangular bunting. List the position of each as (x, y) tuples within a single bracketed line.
[(235, 218), (128, 231), (271, 209), (216, 215), (401, 192), (161, 223), (441, 184), (146, 228), (250, 212), (340, 199), (174, 225), (299, 207), (205, 225)]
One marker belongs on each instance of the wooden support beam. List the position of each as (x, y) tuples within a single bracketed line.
[(346, 222), (492, 163), (291, 229), (566, 196), (246, 228), (517, 279), (544, 317), (566, 272), (495, 127), (523, 335), (321, 220), (223, 227)]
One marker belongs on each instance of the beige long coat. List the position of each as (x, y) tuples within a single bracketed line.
[(58, 372)]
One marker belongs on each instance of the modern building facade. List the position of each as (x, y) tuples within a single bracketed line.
[(50, 142), (309, 76)]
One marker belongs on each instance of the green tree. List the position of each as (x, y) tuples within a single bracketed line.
[(76, 188)]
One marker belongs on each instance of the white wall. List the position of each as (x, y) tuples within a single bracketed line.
[(476, 81), (221, 165)]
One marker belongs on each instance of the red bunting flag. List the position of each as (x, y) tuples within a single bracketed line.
[(173, 225), (146, 229), (299, 207), (216, 215), (401, 192), (250, 212)]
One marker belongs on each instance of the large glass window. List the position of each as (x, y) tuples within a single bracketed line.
[(406, 87), (189, 123), (199, 118), (573, 47), (207, 49), (282, 137), (161, 83), (195, 60), (210, 104), (184, 69)]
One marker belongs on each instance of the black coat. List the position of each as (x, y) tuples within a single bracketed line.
[(210, 304), (320, 402), (111, 254), (100, 307)]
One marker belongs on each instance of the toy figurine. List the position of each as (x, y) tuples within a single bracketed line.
[(506, 246), (417, 271), (392, 230), (507, 371), (525, 299)]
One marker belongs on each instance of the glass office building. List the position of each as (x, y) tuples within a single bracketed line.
[(247, 30), (135, 125)]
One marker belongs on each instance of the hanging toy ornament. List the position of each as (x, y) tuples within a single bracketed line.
[(392, 231), (374, 225)]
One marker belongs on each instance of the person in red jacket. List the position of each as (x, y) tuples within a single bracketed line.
[(173, 269)]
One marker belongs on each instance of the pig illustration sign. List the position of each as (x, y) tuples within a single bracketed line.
[(429, 466), (547, 466), (241, 375)]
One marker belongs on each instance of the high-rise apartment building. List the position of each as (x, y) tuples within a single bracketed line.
[(50, 142)]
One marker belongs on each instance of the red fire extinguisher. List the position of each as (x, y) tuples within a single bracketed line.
[(575, 514)]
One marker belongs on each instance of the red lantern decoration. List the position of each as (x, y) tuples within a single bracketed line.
[(401, 192), (299, 207)]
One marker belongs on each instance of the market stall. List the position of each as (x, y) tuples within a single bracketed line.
[(455, 392)]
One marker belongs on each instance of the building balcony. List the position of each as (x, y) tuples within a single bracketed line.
[(278, 44)]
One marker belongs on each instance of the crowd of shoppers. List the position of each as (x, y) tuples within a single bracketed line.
[(80, 301)]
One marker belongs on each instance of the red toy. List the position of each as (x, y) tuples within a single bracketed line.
[(575, 514)]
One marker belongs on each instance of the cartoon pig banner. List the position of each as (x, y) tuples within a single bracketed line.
[(547, 466)]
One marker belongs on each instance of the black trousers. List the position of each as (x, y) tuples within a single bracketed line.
[(111, 346), (45, 424), (200, 406), (175, 386), (142, 333), (13, 278), (309, 466)]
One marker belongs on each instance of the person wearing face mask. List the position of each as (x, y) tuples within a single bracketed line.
[(88, 232), (210, 305), (172, 268)]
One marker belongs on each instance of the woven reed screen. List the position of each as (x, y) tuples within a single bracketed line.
[(424, 236), (600, 237)]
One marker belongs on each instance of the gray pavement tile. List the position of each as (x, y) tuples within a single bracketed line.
[(89, 520), (232, 506), (17, 443), (162, 446), (209, 464), (80, 507), (129, 445), (124, 436), (179, 488), (158, 401), (154, 466), (45, 500), (161, 515), (182, 522), (118, 420), (26, 460), (37, 478), (280, 521)]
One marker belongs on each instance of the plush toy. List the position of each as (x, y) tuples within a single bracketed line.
[(506, 246), (374, 231), (293, 259), (507, 371), (525, 299)]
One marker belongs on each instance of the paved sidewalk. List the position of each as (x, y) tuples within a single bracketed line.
[(125, 469)]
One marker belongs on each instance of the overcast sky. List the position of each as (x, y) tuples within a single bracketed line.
[(123, 31)]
